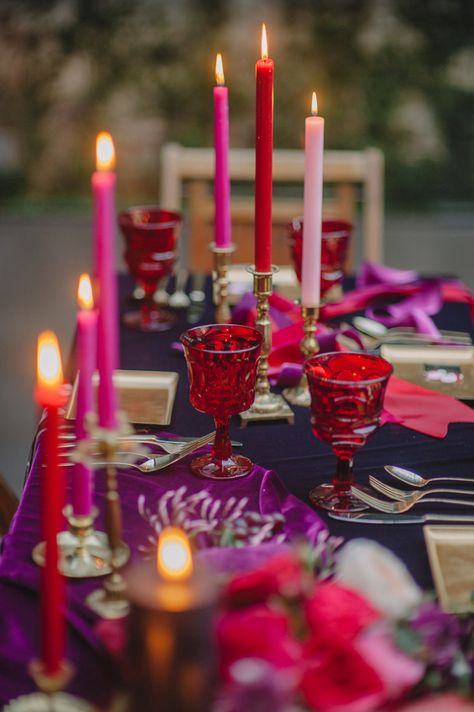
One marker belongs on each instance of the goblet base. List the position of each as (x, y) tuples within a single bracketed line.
[(212, 468), (326, 497), (164, 321)]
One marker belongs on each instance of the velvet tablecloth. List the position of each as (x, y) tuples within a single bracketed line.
[(300, 460)]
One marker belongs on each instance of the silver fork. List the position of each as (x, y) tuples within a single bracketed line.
[(155, 464), (410, 495), (399, 507)]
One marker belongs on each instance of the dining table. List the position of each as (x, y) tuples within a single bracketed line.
[(296, 459)]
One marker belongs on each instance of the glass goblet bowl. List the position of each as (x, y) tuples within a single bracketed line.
[(347, 391), (222, 364), (150, 235), (335, 239)]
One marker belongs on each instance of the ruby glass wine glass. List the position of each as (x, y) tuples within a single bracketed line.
[(150, 251), (347, 391), (335, 238), (222, 364)]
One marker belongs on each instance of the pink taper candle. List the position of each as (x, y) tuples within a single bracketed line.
[(313, 207), (82, 483), (222, 228), (103, 186)]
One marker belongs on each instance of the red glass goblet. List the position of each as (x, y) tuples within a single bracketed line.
[(347, 391), (222, 364), (335, 236), (150, 240)]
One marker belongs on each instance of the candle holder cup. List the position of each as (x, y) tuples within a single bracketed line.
[(347, 391), (267, 406), (49, 697), (222, 258), (150, 235), (299, 394), (83, 551)]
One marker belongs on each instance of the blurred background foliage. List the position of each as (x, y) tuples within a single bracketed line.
[(397, 74)]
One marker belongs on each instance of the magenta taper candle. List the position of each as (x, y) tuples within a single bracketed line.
[(222, 224), (82, 483), (103, 187)]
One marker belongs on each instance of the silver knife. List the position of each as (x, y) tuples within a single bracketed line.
[(379, 518)]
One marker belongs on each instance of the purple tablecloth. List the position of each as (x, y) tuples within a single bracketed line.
[(300, 460), (96, 677)]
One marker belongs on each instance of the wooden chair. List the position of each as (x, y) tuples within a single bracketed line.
[(8, 506), (187, 175)]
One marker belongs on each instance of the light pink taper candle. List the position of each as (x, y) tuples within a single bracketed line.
[(103, 186), (313, 207), (222, 225), (82, 482)]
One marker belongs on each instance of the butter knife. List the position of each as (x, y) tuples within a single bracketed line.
[(380, 518)]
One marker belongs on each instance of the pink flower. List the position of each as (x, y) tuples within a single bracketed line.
[(340, 680), (398, 672), (256, 632), (335, 612)]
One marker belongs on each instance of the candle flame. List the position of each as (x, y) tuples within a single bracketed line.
[(49, 367), (105, 152), (314, 104), (174, 558), (84, 292), (264, 42), (220, 80)]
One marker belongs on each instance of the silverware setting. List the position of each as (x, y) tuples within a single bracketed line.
[(413, 495), (170, 445), (381, 518), (400, 507), (155, 464), (412, 478), (379, 335)]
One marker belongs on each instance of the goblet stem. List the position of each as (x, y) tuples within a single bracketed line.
[(148, 307), (222, 448), (343, 478)]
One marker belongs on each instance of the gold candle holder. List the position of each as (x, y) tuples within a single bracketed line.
[(49, 697), (299, 395), (267, 406), (83, 551), (110, 601), (222, 257)]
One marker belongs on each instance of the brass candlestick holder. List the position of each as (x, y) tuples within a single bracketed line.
[(267, 406), (49, 697), (83, 551), (222, 256), (299, 395), (110, 601)]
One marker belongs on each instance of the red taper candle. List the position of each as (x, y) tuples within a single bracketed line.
[(263, 159), (49, 395)]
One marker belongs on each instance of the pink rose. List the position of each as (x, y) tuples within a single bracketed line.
[(398, 672), (335, 612), (256, 632), (340, 680), (282, 574)]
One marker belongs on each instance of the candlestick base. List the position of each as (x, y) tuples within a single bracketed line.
[(222, 257), (110, 602), (299, 395), (84, 552), (50, 698), (267, 406)]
